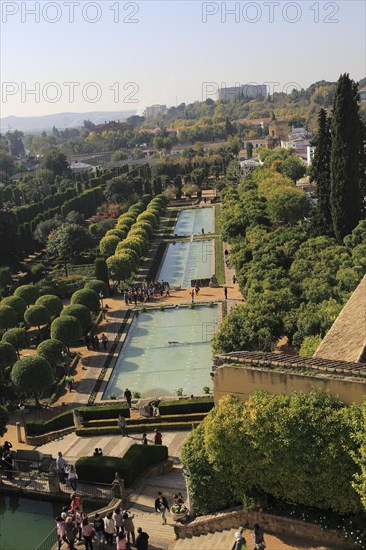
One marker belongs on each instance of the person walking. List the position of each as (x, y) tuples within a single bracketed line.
[(96, 342), (225, 292), (161, 506), (70, 532), (87, 530), (122, 424), (75, 502), (99, 529), (104, 341), (128, 397), (72, 477), (60, 467), (60, 527), (258, 537), (109, 527), (158, 438), (144, 439), (142, 540), (69, 382), (240, 542), (203, 231), (129, 526)]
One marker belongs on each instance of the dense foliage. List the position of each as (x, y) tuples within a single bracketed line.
[(254, 447)]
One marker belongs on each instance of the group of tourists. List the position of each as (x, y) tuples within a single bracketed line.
[(115, 529), (122, 424), (145, 292), (66, 472), (257, 537), (93, 342)]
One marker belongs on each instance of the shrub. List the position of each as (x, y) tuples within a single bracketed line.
[(18, 305), (17, 337), (52, 303), (28, 293), (101, 270), (105, 411), (87, 298), (36, 316), (134, 243), (67, 329), (39, 427), (186, 406), (8, 317), (121, 234), (52, 351), (81, 313), (102, 469), (148, 217), (108, 245), (98, 287), (137, 428), (121, 266), (8, 355)]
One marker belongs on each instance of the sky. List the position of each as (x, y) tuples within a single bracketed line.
[(80, 56)]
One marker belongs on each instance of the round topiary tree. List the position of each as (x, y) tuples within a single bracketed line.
[(98, 287), (121, 234), (32, 376), (4, 418), (123, 248), (144, 224), (134, 243), (29, 293), (120, 266), (18, 338), (8, 317), (52, 351), (52, 303), (139, 231), (87, 298), (81, 313), (123, 227), (148, 216), (8, 356), (18, 305), (67, 329), (36, 316), (108, 245)]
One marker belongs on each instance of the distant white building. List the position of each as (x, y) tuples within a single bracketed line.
[(78, 167), (243, 91), (155, 110), (299, 140)]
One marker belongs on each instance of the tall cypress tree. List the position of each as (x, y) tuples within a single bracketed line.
[(320, 173), (363, 167), (345, 193)]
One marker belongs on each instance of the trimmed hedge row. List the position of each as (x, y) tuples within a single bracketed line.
[(102, 469), (65, 419), (167, 427), (195, 417), (186, 406)]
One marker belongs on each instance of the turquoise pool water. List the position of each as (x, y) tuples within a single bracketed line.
[(186, 261), (25, 522), (150, 365), (192, 220)]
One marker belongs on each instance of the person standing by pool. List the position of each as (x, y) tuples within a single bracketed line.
[(70, 532), (202, 231), (87, 530), (122, 424), (144, 439), (128, 397), (225, 292), (99, 529), (60, 526), (104, 341)]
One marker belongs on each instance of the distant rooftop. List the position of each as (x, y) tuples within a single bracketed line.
[(346, 340)]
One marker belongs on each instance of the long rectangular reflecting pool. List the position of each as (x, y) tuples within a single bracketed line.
[(192, 220), (187, 261), (164, 351)]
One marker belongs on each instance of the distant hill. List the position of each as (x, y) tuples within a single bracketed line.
[(60, 120)]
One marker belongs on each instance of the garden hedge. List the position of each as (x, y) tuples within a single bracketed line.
[(186, 406), (146, 422), (102, 469), (141, 428), (65, 419)]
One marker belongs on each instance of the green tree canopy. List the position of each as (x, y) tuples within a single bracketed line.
[(35, 316), (68, 241), (52, 303), (8, 356), (55, 161), (4, 418), (18, 305), (8, 317), (28, 293), (52, 351), (287, 205), (32, 375), (120, 266), (17, 337), (108, 245), (67, 329), (101, 270), (88, 298), (98, 287), (80, 312)]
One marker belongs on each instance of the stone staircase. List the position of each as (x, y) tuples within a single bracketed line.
[(223, 540)]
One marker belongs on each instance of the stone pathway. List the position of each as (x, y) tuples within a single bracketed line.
[(224, 541)]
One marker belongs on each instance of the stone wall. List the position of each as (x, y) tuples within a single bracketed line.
[(276, 525), (38, 440)]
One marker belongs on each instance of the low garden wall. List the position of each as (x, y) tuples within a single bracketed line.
[(38, 440), (277, 525)]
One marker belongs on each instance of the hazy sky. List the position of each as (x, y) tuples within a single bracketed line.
[(109, 55)]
